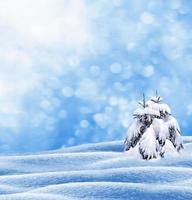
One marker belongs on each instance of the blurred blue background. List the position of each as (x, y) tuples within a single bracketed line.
[(72, 71)]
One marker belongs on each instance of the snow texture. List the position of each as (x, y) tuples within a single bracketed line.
[(96, 171), (148, 144)]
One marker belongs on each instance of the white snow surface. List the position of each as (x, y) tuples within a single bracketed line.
[(158, 107), (147, 111), (134, 129), (161, 129), (96, 172), (148, 143)]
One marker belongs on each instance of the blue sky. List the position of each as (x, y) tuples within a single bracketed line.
[(71, 72)]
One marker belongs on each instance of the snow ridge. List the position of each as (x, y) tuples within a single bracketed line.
[(96, 171)]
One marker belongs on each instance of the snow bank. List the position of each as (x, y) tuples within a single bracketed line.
[(96, 171)]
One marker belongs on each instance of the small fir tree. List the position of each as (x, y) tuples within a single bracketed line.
[(152, 126)]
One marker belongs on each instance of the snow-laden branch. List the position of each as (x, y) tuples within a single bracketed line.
[(152, 127)]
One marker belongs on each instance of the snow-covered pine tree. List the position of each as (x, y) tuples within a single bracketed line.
[(152, 126), (166, 127), (140, 132)]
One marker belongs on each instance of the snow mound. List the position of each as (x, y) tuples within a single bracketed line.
[(95, 172)]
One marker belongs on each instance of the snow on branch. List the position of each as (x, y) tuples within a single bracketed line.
[(153, 125)]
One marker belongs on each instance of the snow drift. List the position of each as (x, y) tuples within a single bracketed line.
[(96, 171)]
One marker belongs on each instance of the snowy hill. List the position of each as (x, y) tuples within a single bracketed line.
[(95, 172)]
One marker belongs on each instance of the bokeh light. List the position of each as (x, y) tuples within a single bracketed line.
[(71, 72)]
